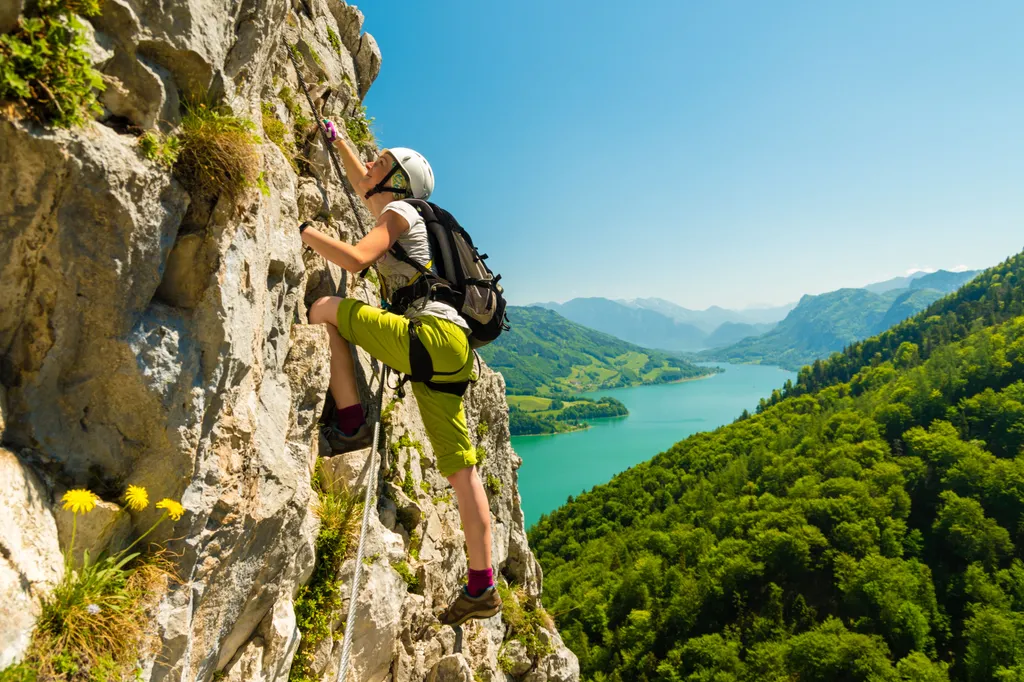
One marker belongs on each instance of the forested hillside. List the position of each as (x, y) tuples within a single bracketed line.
[(545, 354), (994, 296), (871, 528)]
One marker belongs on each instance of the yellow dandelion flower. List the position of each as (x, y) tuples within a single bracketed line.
[(174, 510), (136, 497), (79, 501)]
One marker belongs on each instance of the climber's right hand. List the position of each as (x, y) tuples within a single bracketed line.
[(332, 130)]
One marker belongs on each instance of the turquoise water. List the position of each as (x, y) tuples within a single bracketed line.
[(555, 467)]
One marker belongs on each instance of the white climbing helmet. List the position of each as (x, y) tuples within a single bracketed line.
[(417, 170)]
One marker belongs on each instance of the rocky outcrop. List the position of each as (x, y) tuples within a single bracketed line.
[(30, 558), (151, 340)]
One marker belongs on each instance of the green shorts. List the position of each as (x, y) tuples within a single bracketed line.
[(385, 336)]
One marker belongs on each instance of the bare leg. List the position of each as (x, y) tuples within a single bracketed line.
[(343, 372), (475, 515)]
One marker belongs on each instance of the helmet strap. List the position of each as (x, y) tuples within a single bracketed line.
[(382, 186)]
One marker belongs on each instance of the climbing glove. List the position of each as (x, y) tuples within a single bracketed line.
[(332, 130)]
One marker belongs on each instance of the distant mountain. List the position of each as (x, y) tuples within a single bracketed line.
[(821, 325), (731, 332), (547, 355), (944, 280), (894, 283), (657, 323), (712, 318), (637, 325)]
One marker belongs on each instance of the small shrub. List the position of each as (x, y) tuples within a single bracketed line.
[(481, 455), (44, 65), (218, 152), (425, 487), (482, 429), (159, 148), (261, 182), (493, 484)]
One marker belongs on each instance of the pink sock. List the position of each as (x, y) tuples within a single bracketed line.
[(479, 581), (350, 419)]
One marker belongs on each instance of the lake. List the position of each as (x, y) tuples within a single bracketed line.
[(557, 466)]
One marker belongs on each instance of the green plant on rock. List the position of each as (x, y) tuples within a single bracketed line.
[(261, 182), (402, 568), (359, 127), (408, 485), (160, 148), (481, 455), (493, 484), (44, 65), (275, 131), (319, 602), (332, 37), (316, 57), (396, 448), (415, 542), (482, 429)]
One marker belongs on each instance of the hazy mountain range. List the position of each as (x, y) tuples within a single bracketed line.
[(657, 323), (788, 335)]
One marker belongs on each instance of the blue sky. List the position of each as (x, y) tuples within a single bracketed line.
[(726, 153)]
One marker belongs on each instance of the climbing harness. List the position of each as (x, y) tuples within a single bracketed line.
[(371, 486)]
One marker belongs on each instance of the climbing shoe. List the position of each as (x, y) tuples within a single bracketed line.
[(340, 443), (465, 607)]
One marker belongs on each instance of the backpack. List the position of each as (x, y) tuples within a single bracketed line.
[(459, 277)]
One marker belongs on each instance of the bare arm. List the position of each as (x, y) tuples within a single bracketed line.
[(367, 251), (355, 169)]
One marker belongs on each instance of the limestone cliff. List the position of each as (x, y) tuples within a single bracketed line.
[(157, 338)]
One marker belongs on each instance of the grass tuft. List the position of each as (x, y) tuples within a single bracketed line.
[(523, 621), (219, 152)]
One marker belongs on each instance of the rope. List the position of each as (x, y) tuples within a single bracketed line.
[(371, 480), (323, 132), (371, 485)]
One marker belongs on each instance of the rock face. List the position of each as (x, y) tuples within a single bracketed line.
[(148, 339), (30, 559)]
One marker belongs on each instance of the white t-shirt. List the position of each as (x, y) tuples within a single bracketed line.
[(397, 274)]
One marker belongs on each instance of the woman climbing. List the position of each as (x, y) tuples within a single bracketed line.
[(396, 174)]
